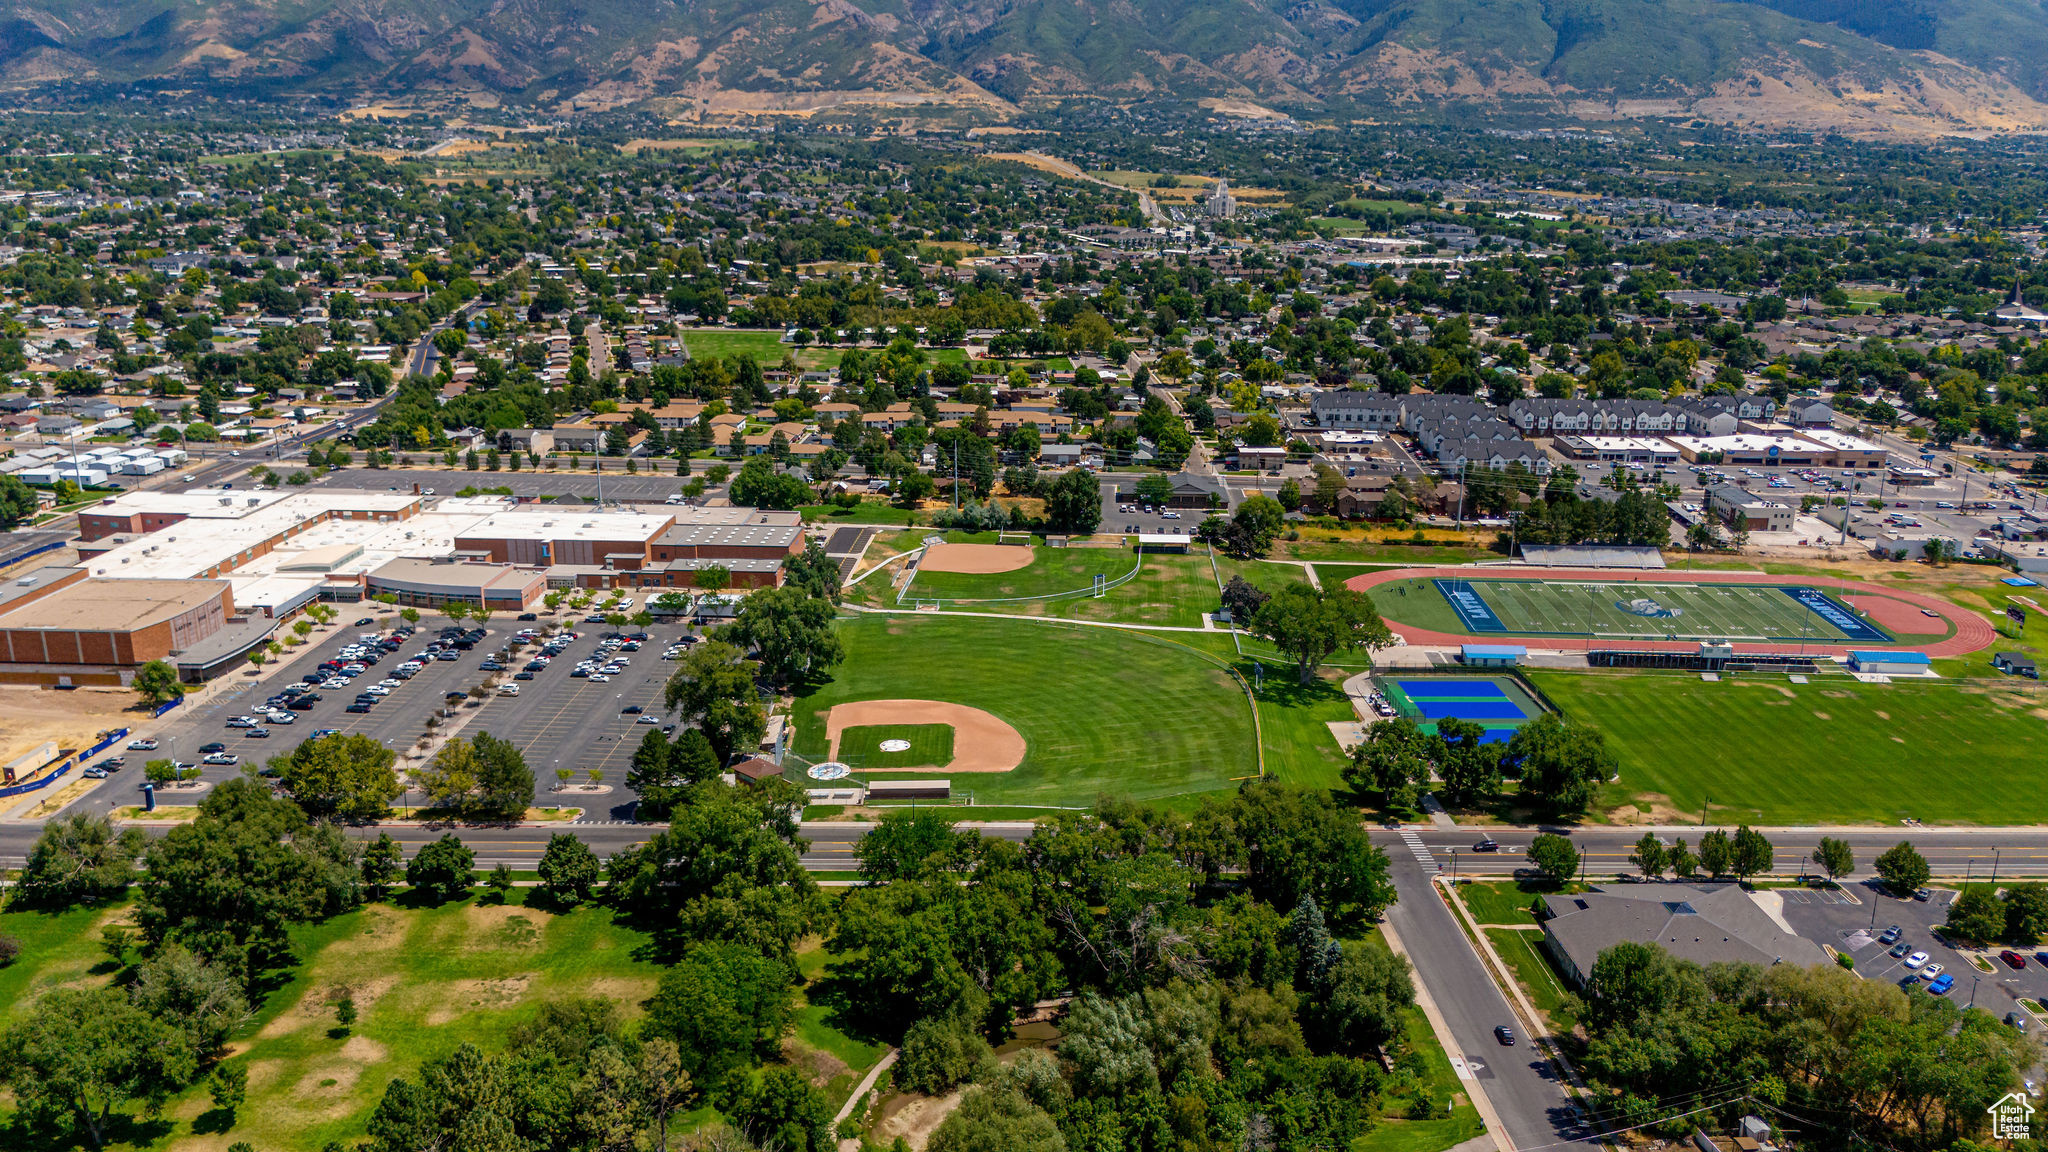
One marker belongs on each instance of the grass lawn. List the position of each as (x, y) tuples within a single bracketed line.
[(1168, 592), (1523, 953), (58, 950), (1435, 1082), (1498, 901), (764, 345), (1051, 571), (930, 744), (425, 980), (1295, 726), (1831, 751), (1100, 709), (866, 512)]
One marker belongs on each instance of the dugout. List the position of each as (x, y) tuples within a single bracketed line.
[(881, 791)]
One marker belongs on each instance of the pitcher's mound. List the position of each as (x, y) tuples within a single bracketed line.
[(978, 559), (981, 742)]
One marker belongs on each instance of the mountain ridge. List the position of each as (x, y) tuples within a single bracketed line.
[(1970, 65)]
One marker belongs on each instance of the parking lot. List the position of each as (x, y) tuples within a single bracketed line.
[(1128, 516), (1854, 921), (558, 720)]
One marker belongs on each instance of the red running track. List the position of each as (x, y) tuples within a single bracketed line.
[(1972, 632)]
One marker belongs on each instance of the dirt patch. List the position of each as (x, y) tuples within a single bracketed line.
[(976, 559), (1786, 692), (495, 926), (1822, 716), (816, 1063), (327, 1086), (629, 992), (72, 718), (1649, 808), (486, 995), (981, 742), (1881, 715), (914, 1118), (317, 1005)]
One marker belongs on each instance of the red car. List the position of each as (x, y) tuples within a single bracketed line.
[(2013, 958)]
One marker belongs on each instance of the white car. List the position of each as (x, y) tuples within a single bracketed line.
[(377, 690), (1916, 960), (508, 689), (143, 745), (598, 678), (1930, 972), (222, 758)]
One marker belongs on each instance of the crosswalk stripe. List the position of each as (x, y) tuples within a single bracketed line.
[(1421, 853)]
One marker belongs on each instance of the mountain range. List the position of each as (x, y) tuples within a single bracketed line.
[(1854, 65)]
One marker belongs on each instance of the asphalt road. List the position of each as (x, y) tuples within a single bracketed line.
[(1957, 852), (1518, 1081)]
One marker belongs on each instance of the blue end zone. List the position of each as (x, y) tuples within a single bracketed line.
[(1840, 617), (1471, 607), (1451, 690), (1470, 709)]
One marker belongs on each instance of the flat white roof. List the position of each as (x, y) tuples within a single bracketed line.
[(1840, 441), (1627, 443), (184, 550), (1745, 442), (570, 523)]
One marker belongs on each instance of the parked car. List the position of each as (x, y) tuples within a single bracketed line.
[(2013, 959), (1891, 935), (1505, 1035), (1923, 894), (258, 734), (1942, 984), (1930, 972), (1916, 960), (1899, 950), (365, 622), (216, 746), (143, 745), (357, 707), (221, 758)]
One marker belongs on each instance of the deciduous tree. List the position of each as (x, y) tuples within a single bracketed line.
[(349, 776), (712, 689), (1312, 624)]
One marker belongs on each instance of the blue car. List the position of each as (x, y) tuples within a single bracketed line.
[(1942, 984)]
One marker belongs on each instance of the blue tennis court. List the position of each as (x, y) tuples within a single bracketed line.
[(1470, 710), (1451, 690)]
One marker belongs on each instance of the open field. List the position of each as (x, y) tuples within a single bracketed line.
[(1100, 709), (1831, 751), (425, 980), (1050, 572), (764, 345)]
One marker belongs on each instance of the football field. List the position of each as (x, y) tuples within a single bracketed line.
[(1673, 610)]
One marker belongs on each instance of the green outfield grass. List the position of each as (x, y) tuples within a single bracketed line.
[(1168, 592), (1101, 710), (1051, 571), (1831, 751), (764, 345), (930, 745)]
